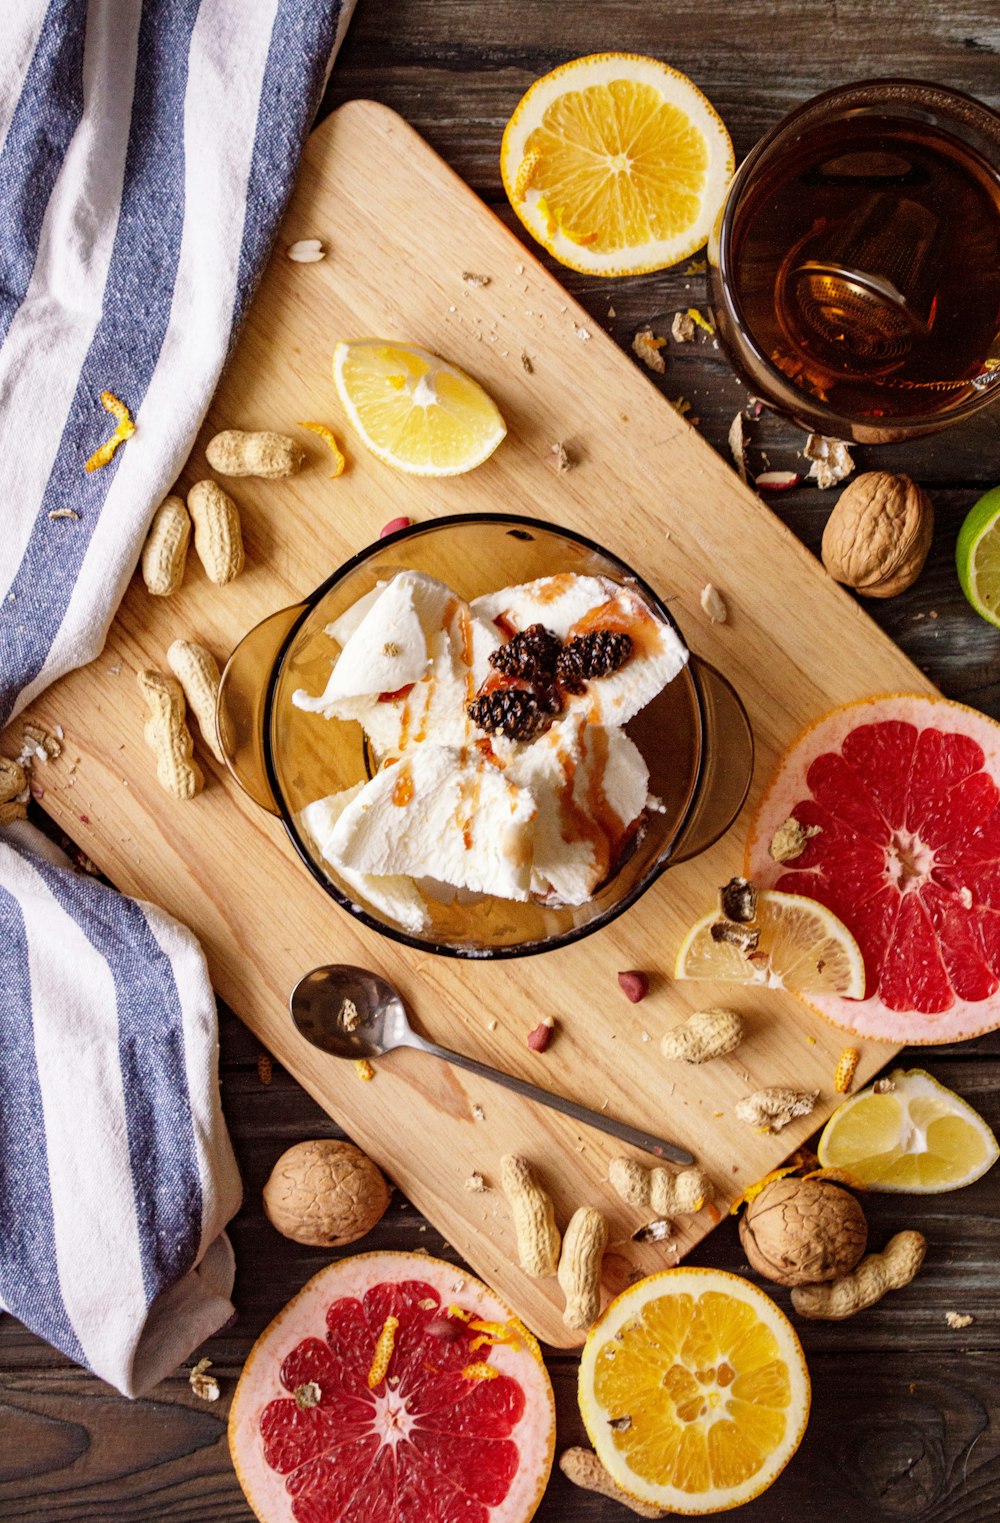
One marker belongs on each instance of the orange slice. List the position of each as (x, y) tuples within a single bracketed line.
[(694, 1390), (617, 164)]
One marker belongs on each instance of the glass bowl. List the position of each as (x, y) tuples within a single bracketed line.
[(695, 736)]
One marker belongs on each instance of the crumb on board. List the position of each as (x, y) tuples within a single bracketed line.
[(475, 1183), (364, 1069), (472, 279), (478, 1114), (561, 458), (958, 1319)]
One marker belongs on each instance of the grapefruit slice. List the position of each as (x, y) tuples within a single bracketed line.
[(694, 1390), (393, 1388), (904, 792)]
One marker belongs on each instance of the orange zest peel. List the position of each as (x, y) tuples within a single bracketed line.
[(329, 439), (124, 430)]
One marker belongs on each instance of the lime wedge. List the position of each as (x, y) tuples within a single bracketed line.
[(977, 556)]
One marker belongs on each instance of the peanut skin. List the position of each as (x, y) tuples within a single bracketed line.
[(271, 456), (198, 674), (579, 1271), (218, 538), (534, 1217), (164, 555), (168, 736)]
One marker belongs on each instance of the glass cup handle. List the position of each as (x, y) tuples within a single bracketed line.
[(239, 712), (728, 763)]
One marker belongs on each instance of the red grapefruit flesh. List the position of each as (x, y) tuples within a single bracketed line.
[(905, 792), (449, 1430)]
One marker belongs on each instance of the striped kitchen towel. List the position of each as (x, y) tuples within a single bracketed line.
[(147, 152), (116, 1172)]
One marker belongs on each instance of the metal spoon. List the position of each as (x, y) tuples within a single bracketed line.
[(318, 1008)]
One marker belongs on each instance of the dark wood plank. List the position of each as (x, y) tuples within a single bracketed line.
[(904, 1421)]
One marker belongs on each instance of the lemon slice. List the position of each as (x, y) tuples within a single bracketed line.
[(917, 1138), (694, 1390), (803, 947), (617, 164), (413, 410)]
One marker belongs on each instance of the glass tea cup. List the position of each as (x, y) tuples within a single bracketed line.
[(855, 267), (694, 737)]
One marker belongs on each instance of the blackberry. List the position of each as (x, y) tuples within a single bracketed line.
[(596, 654), (511, 711), (532, 654)]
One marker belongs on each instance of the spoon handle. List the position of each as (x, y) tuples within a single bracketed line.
[(583, 1113)]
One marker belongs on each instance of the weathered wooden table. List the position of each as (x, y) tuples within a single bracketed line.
[(906, 1412)]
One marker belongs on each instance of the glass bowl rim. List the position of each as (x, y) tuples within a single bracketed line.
[(915, 424), (396, 933)]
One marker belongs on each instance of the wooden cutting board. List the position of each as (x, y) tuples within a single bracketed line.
[(401, 230)]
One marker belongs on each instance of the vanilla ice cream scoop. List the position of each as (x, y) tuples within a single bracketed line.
[(443, 814), (499, 805)]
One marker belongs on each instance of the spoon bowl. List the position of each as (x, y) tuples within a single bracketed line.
[(351, 1013)]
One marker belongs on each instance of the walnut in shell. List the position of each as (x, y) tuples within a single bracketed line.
[(325, 1193), (803, 1231), (877, 537)]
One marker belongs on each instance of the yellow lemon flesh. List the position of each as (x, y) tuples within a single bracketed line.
[(414, 410), (616, 164), (803, 947), (918, 1137), (694, 1390)]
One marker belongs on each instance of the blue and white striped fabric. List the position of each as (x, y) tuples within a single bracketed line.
[(147, 151), (116, 1172)]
